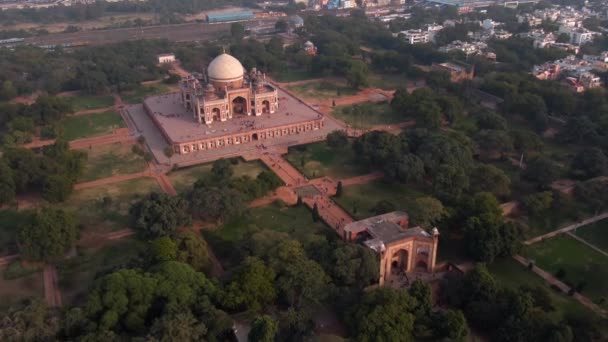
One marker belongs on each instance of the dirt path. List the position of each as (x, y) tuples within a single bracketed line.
[(120, 135), (567, 228), (112, 180), (363, 179), (51, 288), (165, 184), (565, 288), (5, 260), (93, 111)]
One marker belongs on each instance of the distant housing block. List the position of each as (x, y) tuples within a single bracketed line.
[(458, 72)]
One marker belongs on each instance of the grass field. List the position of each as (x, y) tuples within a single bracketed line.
[(85, 102), (100, 217), (580, 263), (359, 199), (367, 115), (9, 226), (596, 234), (76, 275), (509, 272), (183, 179), (90, 125), (387, 81), (323, 90), (15, 290), (292, 75), (138, 94), (227, 241), (319, 160), (109, 160)]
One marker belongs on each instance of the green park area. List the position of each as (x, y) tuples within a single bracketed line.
[(596, 234), (76, 274), (360, 199), (367, 115), (87, 102), (228, 239), (574, 263), (12, 291), (109, 160), (138, 94), (184, 179), (105, 208), (322, 90), (320, 160), (292, 75), (510, 273), (90, 125)]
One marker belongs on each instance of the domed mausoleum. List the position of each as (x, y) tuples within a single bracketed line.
[(227, 90)]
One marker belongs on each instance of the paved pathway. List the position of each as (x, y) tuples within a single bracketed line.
[(51, 286), (565, 288), (567, 228)]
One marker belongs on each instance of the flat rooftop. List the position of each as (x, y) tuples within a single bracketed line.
[(361, 225), (180, 125)]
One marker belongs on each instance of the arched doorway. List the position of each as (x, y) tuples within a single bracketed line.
[(399, 262), (215, 113), (421, 265), (239, 105), (265, 106), (254, 136)]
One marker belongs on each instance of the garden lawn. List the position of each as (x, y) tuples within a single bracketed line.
[(77, 274), (227, 240), (111, 159), (292, 75), (138, 94), (87, 102), (580, 263), (322, 90), (97, 217), (184, 179), (15, 290), (596, 234), (387, 81), (359, 199), (10, 221), (90, 125), (367, 115), (511, 273), (319, 160)]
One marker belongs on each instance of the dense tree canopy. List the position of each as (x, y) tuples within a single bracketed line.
[(160, 215), (48, 235)]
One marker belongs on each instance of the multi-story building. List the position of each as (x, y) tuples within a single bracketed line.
[(415, 36)]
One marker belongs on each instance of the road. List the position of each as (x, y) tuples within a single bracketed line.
[(176, 33)]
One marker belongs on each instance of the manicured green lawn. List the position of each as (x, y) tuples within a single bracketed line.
[(367, 115), (319, 160), (183, 179), (10, 221), (387, 81), (138, 94), (292, 75), (228, 240), (359, 199), (580, 263), (109, 160), (77, 274), (323, 90), (85, 102), (90, 125), (15, 290), (102, 216), (509, 272), (596, 234)]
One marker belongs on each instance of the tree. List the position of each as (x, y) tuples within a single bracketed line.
[(593, 192), (263, 329), (421, 292), (8, 91), (409, 169), (237, 31), (168, 151), (489, 178), (315, 212), (427, 212), (589, 163), (222, 169), (563, 38), (48, 235), (7, 184), (192, 250), (31, 322), (178, 327), (543, 171), (452, 324), (339, 189), (383, 207), (163, 249), (538, 203), (251, 287), (494, 142), (490, 120), (337, 139), (57, 188), (354, 266), (213, 203), (160, 215), (281, 25), (356, 76)]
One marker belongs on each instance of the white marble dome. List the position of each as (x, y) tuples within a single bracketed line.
[(225, 68)]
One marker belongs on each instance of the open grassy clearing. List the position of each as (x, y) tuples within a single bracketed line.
[(596, 234), (76, 275), (90, 125), (138, 94), (323, 90), (580, 263), (319, 160), (184, 179), (111, 159), (292, 75), (509, 272), (228, 240), (360, 199), (87, 102), (387, 81), (15, 290), (367, 115), (101, 215)]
